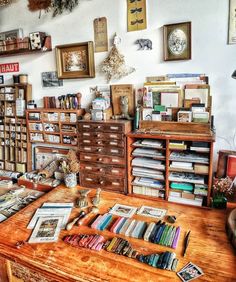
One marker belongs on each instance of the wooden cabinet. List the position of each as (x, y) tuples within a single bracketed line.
[(102, 148), (176, 168), (13, 133)]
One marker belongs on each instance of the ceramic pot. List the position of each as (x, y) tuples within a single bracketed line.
[(70, 180), (219, 201)]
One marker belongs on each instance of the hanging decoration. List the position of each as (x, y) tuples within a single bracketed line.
[(136, 15), (4, 2), (114, 65), (56, 6)]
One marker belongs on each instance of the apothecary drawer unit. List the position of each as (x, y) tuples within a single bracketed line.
[(102, 147)]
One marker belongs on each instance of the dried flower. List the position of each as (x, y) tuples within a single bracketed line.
[(71, 163), (223, 186)]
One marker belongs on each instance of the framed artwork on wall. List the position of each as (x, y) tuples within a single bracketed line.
[(232, 22), (75, 60), (177, 41)]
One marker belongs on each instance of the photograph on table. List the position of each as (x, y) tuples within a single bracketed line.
[(152, 212), (123, 210)]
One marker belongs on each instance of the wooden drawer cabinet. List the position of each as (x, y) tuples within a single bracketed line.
[(103, 154)]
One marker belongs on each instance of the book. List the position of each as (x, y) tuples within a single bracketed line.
[(46, 230), (148, 182), (195, 202), (182, 186), (200, 168), (148, 163), (186, 177), (231, 166), (189, 157)]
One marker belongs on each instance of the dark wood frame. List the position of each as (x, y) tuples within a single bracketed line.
[(90, 68), (186, 28)]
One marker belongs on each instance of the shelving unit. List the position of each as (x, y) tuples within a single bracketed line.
[(186, 164), (23, 48), (53, 126), (13, 133)]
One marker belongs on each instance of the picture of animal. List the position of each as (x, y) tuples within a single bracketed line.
[(144, 43)]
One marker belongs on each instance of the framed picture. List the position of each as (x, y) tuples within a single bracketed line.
[(75, 60), (177, 41), (151, 212), (232, 22), (184, 116), (123, 210), (50, 79), (11, 34)]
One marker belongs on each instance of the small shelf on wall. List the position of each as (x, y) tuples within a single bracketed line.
[(15, 50)]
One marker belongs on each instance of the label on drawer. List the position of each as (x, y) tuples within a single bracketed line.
[(114, 127)]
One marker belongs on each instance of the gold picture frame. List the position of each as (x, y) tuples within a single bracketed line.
[(177, 41), (75, 60)]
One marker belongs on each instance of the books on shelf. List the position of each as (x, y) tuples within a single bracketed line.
[(148, 143), (201, 189), (189, 157), (196, 202), (147, 172), (186, 177), (147, 152), (148, 182), (148, 191), (182, 186), (182, 165), (200, 168), (148, 163), (177, 145)]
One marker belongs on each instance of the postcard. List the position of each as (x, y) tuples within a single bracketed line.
[(190, 272), (152, 212), (123, 210), (46, 230)]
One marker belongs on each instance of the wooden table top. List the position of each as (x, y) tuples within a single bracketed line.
[(209, 247)]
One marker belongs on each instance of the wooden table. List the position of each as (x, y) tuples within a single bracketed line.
[(209, 247)]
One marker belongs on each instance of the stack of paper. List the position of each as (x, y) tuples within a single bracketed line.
[(186, 177), (147, 172), (48, 221), (149, 182), (189, 157), (146, 152), (148, 163), (182, 165)]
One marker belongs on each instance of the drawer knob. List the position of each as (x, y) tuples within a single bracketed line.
[(98, 135), (99, 142), (101, 169), (101, 182), (99, 150), (100, 159)]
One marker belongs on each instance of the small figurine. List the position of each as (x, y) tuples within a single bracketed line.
[(82, 202), (144, 43), (96, 199), (124, 107)]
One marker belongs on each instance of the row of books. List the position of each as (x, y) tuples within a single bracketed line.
[(195, 146), (147, 191)]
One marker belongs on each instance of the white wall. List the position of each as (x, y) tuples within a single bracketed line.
[(210, 52)]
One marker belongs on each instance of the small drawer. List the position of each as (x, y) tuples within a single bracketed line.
[(106, 183), (114, 128), (102, 169), (101, 142), (101, 159)]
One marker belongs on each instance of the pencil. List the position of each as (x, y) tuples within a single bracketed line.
[(186, 242)]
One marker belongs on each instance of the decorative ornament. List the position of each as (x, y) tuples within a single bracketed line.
[(5, 2), (60, 6), (114, 65)]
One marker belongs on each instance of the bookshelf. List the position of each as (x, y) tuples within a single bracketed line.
[(171, 167), (13, 133)]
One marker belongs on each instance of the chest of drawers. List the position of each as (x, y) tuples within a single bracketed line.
[(103, 157)]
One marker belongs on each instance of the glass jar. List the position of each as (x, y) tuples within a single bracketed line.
[(219, 201)]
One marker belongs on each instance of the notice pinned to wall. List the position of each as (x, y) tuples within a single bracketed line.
[(100, 34), (232, 22), (136, 15)]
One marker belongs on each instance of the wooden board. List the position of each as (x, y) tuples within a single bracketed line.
[(61, 262), (100, 34), (136, 15), (122, 90)]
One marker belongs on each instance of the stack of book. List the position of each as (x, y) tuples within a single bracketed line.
[(186, 177), (150, 143), (200, 189), (182, 165), (146, 152), (148, 163), (179, 145), (189, 157), (147, 172), (149, 187), (200, 147)]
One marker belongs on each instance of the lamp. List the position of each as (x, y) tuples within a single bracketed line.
[(234, 74)]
